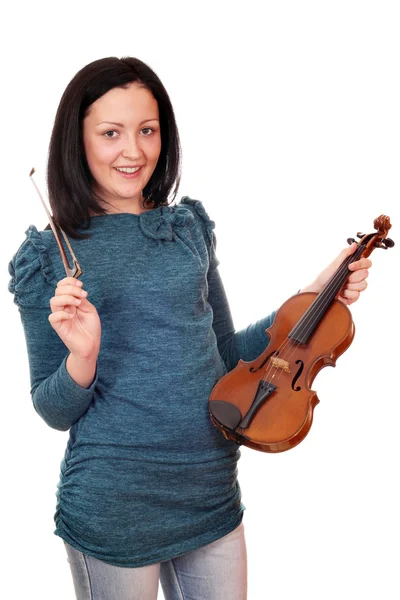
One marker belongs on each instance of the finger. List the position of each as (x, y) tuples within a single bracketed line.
[(350, 294), (59, 316), (341, 257), (70, 281), (345, 301), (363, 263), (73, 290), (358, 276), (360, 286), (348, 250), (57, 302)]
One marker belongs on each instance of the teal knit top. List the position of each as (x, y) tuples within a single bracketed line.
[(146, 476)]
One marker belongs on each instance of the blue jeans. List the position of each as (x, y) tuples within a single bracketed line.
[(213, 572)]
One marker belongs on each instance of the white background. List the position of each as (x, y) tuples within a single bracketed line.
[(289, 120)]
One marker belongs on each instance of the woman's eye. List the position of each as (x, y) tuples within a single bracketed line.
[(111, 131), (148, 129)]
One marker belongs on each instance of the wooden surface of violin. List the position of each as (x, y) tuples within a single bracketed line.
[(267, 404)]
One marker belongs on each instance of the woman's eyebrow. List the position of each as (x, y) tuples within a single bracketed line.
[(121, 124)]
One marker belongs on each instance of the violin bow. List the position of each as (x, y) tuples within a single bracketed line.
[(76, 270)]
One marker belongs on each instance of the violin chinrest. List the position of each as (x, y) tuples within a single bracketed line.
[(225, 413)]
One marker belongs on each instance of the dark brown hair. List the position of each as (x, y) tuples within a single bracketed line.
[(69, 180)]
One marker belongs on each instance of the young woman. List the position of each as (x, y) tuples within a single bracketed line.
[(126, 358)]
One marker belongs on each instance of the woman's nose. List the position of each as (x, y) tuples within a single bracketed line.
[(132, 148)]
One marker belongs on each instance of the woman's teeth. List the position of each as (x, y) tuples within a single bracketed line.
[(128, 169)]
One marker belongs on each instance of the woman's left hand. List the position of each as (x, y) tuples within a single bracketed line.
[(356, 282)]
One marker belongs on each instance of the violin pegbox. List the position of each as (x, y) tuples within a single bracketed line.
[(378, 239)]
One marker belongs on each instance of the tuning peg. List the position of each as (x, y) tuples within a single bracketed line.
[(351, 241), (360, 235), (388, 242)]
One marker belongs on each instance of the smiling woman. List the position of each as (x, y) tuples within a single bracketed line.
[(133, 148)]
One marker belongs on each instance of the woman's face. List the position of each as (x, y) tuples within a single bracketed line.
[(122, 129)]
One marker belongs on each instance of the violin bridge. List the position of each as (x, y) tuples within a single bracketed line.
[(279, 363)]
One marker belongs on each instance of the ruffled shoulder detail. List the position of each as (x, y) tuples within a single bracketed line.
[(163, 222), (208, 224), (32, 275), (160, 223)]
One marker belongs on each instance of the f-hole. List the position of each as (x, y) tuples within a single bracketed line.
[(299, 372)]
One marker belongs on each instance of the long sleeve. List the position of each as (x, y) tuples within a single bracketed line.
[(56, 397), (245, 344)]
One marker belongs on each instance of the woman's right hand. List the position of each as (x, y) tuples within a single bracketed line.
[(75, 319)]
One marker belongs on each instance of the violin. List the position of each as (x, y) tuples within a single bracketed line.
[(267, 404)]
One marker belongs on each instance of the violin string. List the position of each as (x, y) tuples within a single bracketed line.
[(288, 345), (268, 369), (282, 348), (292, 344), (321, 308), (326, 298)]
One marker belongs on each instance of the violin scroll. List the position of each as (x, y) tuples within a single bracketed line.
[(382, 224)]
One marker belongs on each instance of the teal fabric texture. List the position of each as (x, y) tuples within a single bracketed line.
[(145, 476)]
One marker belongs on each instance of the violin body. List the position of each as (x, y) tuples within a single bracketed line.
[(285, 418), (267, 404)]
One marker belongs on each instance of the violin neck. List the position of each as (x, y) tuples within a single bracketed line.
[(309, 322)]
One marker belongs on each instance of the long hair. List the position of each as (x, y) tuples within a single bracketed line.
[(69, 180)]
